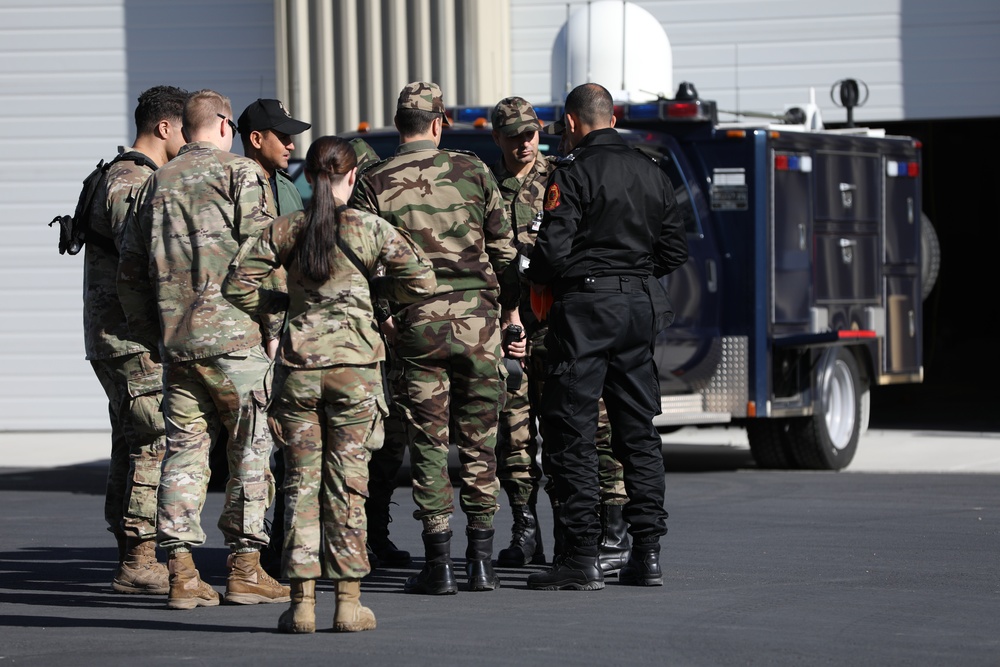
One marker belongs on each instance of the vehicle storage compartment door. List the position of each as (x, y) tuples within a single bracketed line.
[(847, 268), (901, 353), (792, 244), (847, 187), (902, 217)]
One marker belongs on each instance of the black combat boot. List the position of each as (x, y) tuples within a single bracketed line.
[(577, 570), (437, 577), (643, 567), (386, 553), (525, 540), (479, 560), (614, 539)]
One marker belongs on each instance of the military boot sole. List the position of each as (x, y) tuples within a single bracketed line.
[(132, 589), (191, 603), (354, 626), (301, 627), (421, 589), (482, 585), (566, 585), (254, 598), (633, 579), (297, 628)]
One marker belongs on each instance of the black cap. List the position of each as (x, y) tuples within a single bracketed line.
[(269, 115)]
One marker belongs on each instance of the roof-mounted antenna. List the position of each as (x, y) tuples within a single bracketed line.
[(849, 96)]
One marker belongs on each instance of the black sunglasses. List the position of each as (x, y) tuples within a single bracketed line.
[(231, 123)]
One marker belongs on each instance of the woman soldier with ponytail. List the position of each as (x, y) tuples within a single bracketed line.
[(327, 405)]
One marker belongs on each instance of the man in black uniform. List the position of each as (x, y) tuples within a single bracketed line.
[(609, 230)]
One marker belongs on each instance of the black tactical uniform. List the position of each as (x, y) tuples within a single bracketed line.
[(610, 227)]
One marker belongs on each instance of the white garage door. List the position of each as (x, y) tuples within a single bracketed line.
[(70, 72)]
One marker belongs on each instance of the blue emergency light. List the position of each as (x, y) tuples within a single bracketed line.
[(470, 114), (644, 111)]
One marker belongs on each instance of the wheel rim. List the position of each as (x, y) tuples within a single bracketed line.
[(840, 404)]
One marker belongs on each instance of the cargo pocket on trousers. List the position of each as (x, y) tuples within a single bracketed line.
[(357, 492), (257, 497), (147, 378), (564, 375)]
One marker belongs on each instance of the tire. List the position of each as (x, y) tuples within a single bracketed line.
[(769, 444), (829, 438), (930, 256)]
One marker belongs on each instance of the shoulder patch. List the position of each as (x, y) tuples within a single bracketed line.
[(552, 197)]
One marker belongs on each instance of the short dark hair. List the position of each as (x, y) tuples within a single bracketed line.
[(156, 104), (591, 103), (414, 121)]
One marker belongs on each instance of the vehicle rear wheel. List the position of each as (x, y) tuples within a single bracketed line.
[(930, 256), (769, 443), (829, 438)]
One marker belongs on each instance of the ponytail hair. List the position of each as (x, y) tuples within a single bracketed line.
[(327, 158)]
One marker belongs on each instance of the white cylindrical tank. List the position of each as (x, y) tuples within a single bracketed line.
[(616, 44)]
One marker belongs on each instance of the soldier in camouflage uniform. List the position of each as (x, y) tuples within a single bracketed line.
[(129, 371), (522, 172), (266, 129), (448, 346), (193, 214), (386, 461), (328, 403)]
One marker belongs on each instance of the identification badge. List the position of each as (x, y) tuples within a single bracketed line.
[(523, 263), (536, 222)]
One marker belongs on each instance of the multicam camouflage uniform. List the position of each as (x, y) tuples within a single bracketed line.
[(194, 213), (328, 402), (518, 447), (124, 367), (448, 345)]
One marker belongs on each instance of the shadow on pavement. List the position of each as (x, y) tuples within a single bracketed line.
[(81, 577)]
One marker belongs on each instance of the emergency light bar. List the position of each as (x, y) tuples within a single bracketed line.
[(470, 114), (784, 162), (894, 168)]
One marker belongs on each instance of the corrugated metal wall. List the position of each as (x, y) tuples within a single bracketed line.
[(921, 59), (345, 61)]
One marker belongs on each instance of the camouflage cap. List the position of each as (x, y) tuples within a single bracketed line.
[(555, 127), (424, 96), (365, 153), (514, 115)]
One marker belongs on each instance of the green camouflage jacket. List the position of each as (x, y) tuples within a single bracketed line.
[(105, 329), (449, 204), (524, 199), (192, 216), (330, 323)]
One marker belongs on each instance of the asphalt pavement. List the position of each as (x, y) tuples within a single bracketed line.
[(894, 561)]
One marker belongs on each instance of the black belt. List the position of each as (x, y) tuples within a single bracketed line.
[(600, 284)]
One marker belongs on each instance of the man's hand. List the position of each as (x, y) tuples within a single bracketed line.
[(271, 347), (513, 348)]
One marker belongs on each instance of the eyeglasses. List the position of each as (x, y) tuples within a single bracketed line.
[(230, 121)]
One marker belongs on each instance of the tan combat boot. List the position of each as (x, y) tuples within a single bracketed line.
[(350, 615), (187, 590), (300, 618), (249, 584), (139, 572)]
